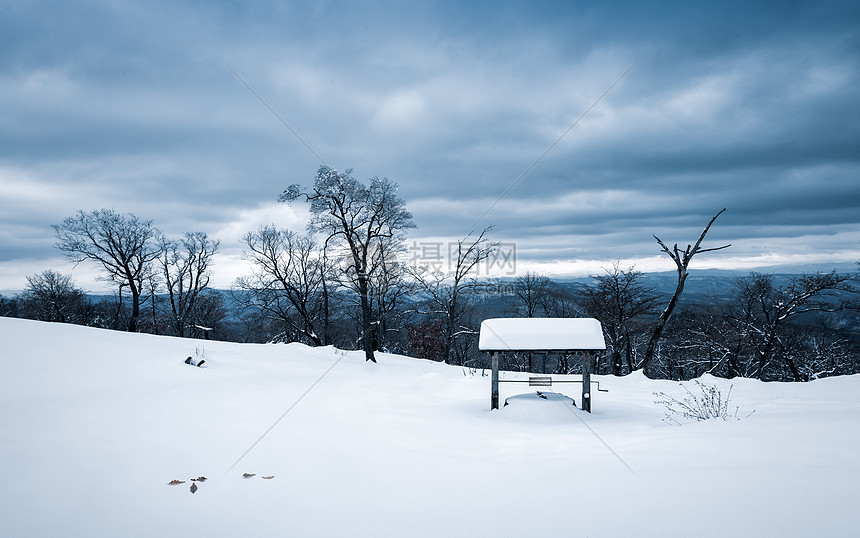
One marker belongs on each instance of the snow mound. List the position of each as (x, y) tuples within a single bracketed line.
[(540, 405)]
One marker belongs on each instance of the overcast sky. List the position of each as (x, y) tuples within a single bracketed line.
[(752, 106)]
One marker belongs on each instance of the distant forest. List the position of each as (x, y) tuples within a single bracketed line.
[(351, 280), (765, 326)]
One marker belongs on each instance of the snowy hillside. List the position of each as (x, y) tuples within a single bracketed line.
[(94, 425)]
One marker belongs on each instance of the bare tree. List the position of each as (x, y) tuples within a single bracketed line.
[(208, 313), (123, 245), (531, 289), (682, 262), (621, 302), (390, 284), (703, 342), (9, 306), (425, 340), (829, 354), (560, 302), (766, 311), (155, 321), (358, 218), (446, 289), (286, 279), (185, 265), (51, 296)]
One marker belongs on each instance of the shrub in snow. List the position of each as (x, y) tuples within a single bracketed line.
[(199, 357), (708, 404), (471, 372)]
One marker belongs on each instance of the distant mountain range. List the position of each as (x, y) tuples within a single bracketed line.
[(700, 281), (796, 269)]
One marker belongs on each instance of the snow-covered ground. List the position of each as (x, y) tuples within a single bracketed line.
[(94, 424)]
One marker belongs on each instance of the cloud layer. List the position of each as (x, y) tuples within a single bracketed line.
[(133, 106)]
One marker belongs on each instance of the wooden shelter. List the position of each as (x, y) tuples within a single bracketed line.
[(561, 335)]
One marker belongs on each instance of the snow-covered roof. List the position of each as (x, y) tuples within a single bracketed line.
[(541, 334)]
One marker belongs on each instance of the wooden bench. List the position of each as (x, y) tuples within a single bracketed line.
[(547, 381)]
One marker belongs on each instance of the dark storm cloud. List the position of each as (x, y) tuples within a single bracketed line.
[(753, 107)]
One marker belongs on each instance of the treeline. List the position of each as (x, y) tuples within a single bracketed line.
[(351, 281), (51, 296), (770, 327)]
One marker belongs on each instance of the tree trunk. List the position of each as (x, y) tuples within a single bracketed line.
[(135, 308), (766, 353), (628, 354), (366, 321), (647, 362), (794, 371), (761, 363), (682, 260), (449, 335), (154, 314), (616, 362), (325, 339)]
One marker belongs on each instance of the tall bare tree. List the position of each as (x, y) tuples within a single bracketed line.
[(286, 279), (357, 218), (185, 265), (621, 302), (447, 288), (123, 245), (682, 259)]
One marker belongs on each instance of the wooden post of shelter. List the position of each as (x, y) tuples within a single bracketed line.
[(586, 381), (494, 389)]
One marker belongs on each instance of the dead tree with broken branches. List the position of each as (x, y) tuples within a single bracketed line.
[(682, 262)]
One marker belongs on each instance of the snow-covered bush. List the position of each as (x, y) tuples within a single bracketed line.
[(709, 404)]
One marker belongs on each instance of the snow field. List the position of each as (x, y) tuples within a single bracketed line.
[(94, 424)]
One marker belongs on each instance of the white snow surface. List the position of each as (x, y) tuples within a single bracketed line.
[(94, 424), (540, 334)]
